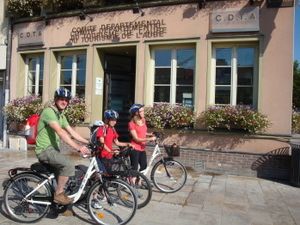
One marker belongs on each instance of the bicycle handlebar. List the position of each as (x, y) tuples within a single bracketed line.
[(157, 135)]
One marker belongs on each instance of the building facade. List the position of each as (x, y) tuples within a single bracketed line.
[(197, 54), (3, 51)]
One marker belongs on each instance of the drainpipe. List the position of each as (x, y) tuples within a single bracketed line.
[(7, 78)]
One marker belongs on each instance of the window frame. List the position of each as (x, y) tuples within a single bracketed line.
[(173, 70), (37, 73), (234, 76), (74, 70)]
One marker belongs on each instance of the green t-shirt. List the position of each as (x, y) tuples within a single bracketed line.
[(46, 135)]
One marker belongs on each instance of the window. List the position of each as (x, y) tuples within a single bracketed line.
[(174, 75), (234, 75), (34, 75), (72, 73)]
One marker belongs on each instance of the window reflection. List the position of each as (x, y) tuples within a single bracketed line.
[(222, 95), (179, 75), (245, 56), (163, 57), (186, 58), (66, 78), (162, 75), (162, 94), (35, 75), (66, 62), (234, 75), (223, 56), (223, 76)]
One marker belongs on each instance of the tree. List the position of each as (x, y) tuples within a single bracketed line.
[(296, 85)]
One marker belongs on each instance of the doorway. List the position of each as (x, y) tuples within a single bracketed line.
[(120, 86)]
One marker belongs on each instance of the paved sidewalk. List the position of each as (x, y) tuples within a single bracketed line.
[(205, 200)]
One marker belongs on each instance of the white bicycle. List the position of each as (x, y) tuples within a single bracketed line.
[(29, 192), (168, 175)]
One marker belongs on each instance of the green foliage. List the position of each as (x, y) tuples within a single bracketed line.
[(230, 117), (66, 5), (296, 85), (24, 8), (76, 111), (19, 109), (27, 8), (165, 115), (296, 122)]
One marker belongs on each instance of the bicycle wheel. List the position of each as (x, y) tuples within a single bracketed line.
[(168, 176), (140, 185), (112, 202), (17, 207)]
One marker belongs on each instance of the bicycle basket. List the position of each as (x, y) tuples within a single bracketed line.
[(114, 166), (172, 150)]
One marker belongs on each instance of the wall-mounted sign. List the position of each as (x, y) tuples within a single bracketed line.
[(246, 19), (99, 86), (30, 37), (117, 31)]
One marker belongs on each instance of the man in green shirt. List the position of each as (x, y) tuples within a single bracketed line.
[(53, 127)]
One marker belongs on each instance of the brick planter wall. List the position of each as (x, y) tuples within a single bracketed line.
[(273, 165)]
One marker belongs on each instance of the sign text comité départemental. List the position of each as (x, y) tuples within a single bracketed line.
[(117, 31)]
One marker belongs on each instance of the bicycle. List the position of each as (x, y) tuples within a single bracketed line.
[(168, 175), (28, 195), (120, 167)]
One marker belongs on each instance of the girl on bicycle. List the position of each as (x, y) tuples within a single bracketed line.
[(108, 136), (138, 130)]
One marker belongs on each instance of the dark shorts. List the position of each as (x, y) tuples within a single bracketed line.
[(62, 165)]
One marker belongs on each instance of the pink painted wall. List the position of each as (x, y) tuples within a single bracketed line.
[(182, 22)]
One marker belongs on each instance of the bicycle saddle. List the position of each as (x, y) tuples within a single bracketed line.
[(41, 168)]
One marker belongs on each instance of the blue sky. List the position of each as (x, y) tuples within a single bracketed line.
[(297, 33)]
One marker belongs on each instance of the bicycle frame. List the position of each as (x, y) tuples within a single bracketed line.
[(156, 153), (93, 167)]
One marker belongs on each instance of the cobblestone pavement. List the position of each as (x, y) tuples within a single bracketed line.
[(205, 200)]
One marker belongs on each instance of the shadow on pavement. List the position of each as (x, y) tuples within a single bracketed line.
[(79, 209)]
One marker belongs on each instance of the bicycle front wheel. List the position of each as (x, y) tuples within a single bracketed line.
[(140, 185), (18, 208), (168, 176), (112, 202)]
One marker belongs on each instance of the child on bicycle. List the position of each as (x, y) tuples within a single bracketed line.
[(108, 136)]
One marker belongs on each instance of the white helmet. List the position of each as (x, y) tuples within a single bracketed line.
[(98, 123)]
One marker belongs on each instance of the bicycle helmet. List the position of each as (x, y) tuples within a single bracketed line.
[(62, 93), (111, 115), (135, 108), (98, 123)]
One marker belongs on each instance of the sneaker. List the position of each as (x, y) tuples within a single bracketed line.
[(62, 199), (96, 205)]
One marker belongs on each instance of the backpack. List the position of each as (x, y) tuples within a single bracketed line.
[(31, 128), (94, 129), (93, 132)]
